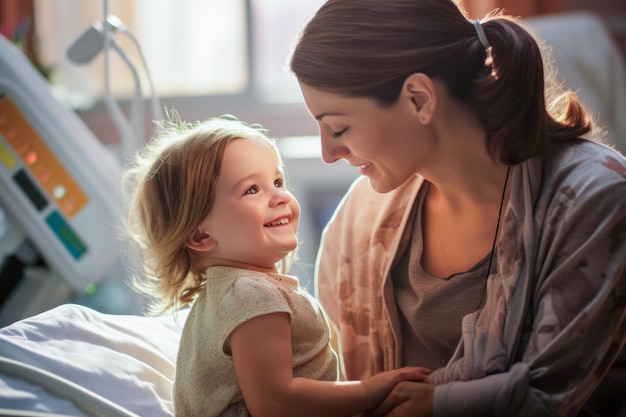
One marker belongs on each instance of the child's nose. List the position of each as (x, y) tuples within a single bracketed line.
[(281, 197)]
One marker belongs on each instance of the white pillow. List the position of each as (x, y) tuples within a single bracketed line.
[(127, 360)]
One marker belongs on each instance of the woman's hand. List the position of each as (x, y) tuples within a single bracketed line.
[(414, 399), (379, 387)]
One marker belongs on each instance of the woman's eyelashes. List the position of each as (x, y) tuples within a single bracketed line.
[(340, 133)]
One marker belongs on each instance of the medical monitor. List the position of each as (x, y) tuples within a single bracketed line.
[(60, 187)]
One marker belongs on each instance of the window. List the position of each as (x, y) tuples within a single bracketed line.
[(192, 47), (275, 26)]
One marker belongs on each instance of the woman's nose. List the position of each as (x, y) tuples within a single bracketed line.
[(332, 149)]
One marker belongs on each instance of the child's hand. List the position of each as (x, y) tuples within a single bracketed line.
[(380, 385)]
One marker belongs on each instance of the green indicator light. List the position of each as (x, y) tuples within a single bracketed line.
[(91, 289)]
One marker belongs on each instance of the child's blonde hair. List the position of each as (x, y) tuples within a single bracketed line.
[(170, 189)]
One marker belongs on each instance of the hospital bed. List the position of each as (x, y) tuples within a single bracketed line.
[(72, 360)]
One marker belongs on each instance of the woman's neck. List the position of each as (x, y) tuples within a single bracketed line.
[(462, 171)]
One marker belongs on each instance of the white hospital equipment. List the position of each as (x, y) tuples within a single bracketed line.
[(100, 37), (60, 195)]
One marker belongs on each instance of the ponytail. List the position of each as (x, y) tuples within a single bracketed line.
[(511, 98)]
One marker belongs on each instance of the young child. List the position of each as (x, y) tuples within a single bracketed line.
[(215, 228)]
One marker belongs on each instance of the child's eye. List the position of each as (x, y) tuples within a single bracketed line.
[(339, 134), (279, 183), (252, 190)]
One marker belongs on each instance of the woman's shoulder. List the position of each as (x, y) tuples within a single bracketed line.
[(585, 179), (588, 165)]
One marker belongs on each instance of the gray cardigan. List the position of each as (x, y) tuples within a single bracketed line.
[(554, 323)]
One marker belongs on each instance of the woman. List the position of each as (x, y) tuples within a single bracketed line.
[(486, 237)]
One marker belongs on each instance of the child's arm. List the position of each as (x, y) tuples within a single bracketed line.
[(261, 350)]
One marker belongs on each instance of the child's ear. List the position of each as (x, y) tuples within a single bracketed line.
[(200, 241)]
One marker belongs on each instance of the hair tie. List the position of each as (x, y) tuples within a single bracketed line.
[(481, 34)]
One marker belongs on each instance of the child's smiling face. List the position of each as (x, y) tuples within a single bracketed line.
[(254, 218)]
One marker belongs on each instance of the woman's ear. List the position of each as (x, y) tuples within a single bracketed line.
[(420, 90), (200, 241)]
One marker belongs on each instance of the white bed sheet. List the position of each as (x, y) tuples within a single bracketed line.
[(125, 360)]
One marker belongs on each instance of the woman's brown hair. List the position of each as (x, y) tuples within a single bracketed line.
[(367, 48)]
